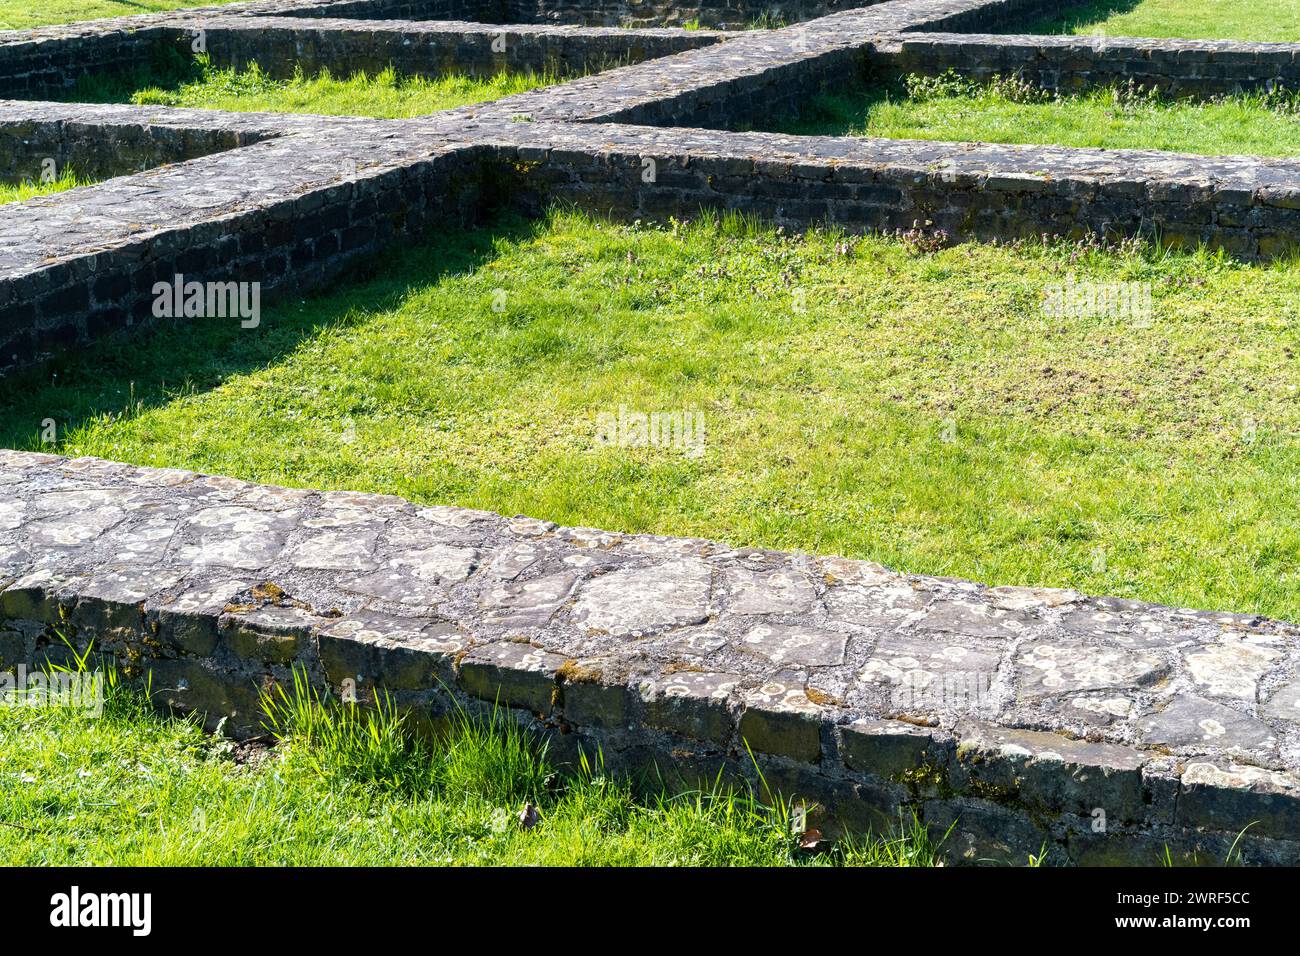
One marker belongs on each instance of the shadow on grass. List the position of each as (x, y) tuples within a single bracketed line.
[(836, 114), (166, 68), (128, 374), (1075, 16)]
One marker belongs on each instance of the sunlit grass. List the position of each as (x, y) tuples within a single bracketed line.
[(24, 14), (1261, 20), (30, 189), (859, 397)]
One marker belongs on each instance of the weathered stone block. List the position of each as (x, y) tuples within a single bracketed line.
[(192, 686), (272, 635), (1230, 797), (1051, 771), (34, 597), (780, 719), (188, 621), (517, 675), (977, 832), (693, 704), (395, 653), (885, 748), (1193, 724), (115, 599)]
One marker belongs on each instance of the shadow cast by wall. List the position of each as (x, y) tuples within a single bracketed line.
[(129, 374)]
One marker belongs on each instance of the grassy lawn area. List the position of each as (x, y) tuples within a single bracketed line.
[(24, 14), (386, 95), (133, 788), (860, 397), (1261, 20), (1008, 111)]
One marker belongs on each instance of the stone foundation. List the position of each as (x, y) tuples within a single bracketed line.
[(1183, 68), (1105, 730), (1102, 729), (275, 198)]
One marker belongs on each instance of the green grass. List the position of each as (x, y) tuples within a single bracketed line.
[(30, 190), (387, 94), (351, 787), (1009, 111), (24, 14), (1154, 461), (1261, 20)]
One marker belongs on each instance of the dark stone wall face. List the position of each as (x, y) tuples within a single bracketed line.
[(936, 190), (50, 66), (95, 152), (1070, 64), (279, 46)]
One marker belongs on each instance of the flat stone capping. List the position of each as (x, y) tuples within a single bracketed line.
[(1105, 730)]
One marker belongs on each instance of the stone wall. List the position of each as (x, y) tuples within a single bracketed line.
[(279, 45), (841, 677), (1183, 68), (965, 16), (83, 264), (95, 148), (1026, 719), (1248, 207)]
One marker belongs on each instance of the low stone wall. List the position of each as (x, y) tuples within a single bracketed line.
[(1247, 206), (1187, 68), (50, 66), (1024, 718), (279, 45), (94, 148), (83, 264), (718, 14)]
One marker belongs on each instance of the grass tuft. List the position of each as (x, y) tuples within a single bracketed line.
[(31, 189), (350, 785)]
